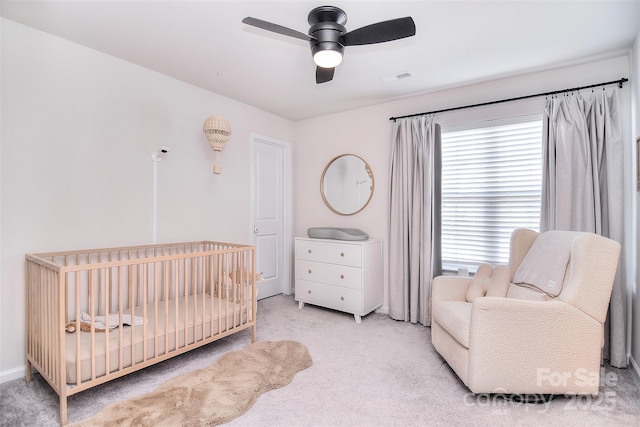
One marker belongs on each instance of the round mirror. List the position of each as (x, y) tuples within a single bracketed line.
[(347, 184)]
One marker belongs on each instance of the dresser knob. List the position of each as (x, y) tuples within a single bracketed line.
[(342, 254), (309, 291), (342, 298), (342, 276), (309, 271), (309, 251)]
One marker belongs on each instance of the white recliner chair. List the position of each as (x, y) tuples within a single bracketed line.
[(535, 326)]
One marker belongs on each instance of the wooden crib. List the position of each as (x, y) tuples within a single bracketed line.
[(158, 301)]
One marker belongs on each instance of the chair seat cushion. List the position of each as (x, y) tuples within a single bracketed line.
[(455, 318)]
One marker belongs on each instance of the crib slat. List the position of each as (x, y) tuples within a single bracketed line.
[(92, 313), (145, 285), (175, 293), (186, 302), (220, 290), (77, 310), (107, 331), (165, 279), (254, 297), (131, 306), (119, 285), (203, 293), (60, 376), (212, 291), (155, 308)]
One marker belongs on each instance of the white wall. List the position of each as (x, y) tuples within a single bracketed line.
[(367, 133), (635, 133), (78, 131)]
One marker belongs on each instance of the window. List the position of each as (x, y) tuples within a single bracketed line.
[(491, 184)]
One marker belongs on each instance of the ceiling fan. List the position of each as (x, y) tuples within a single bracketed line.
[(328, 36)]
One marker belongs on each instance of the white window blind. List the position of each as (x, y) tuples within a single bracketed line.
[(491, 183)]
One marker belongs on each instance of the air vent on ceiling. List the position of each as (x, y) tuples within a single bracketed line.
[(394, 77)]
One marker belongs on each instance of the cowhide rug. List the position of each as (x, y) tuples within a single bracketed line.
[(212, 395)]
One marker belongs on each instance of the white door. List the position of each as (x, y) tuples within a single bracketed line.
[(271, 201)]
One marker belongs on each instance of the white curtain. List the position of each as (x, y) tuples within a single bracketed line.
[(582, 186), (414, 229)]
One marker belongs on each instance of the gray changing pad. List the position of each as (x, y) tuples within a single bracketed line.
[(337, 233)]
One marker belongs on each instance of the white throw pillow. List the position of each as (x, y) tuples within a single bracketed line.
[(489, 281)]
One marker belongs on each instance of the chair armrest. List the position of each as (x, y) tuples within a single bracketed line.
[(450, 288)]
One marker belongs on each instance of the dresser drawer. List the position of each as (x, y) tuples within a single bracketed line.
[(333, 274), (334, 253), (337, 298)]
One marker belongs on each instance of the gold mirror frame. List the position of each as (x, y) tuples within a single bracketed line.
[(331, 171)]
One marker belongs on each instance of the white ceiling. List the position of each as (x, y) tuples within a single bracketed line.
[(457, 43)]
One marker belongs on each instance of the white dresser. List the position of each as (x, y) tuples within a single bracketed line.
[(338, 274)]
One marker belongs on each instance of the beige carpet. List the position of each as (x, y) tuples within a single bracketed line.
[(212, 395)]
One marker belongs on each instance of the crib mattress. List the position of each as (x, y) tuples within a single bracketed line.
[(170, 326)]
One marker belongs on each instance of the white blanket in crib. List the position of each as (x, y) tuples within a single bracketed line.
[(100, 322)]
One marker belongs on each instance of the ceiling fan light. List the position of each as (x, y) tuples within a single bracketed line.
[(327, 58)]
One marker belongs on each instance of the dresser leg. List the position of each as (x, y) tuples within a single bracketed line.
[(357, 317), (300, 305)]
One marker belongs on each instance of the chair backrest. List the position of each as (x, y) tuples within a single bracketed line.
[(590, 272)]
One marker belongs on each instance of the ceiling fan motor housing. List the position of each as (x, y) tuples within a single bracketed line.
[(327, 26), (326, 36)]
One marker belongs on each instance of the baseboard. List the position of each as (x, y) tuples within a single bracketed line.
[(634, 366), (12, 374), (382, 310)]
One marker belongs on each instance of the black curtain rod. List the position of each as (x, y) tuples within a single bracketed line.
[(555, 92)]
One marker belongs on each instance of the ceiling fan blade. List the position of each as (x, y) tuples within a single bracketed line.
[(381, 32), (275, 28), (324, 75)]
